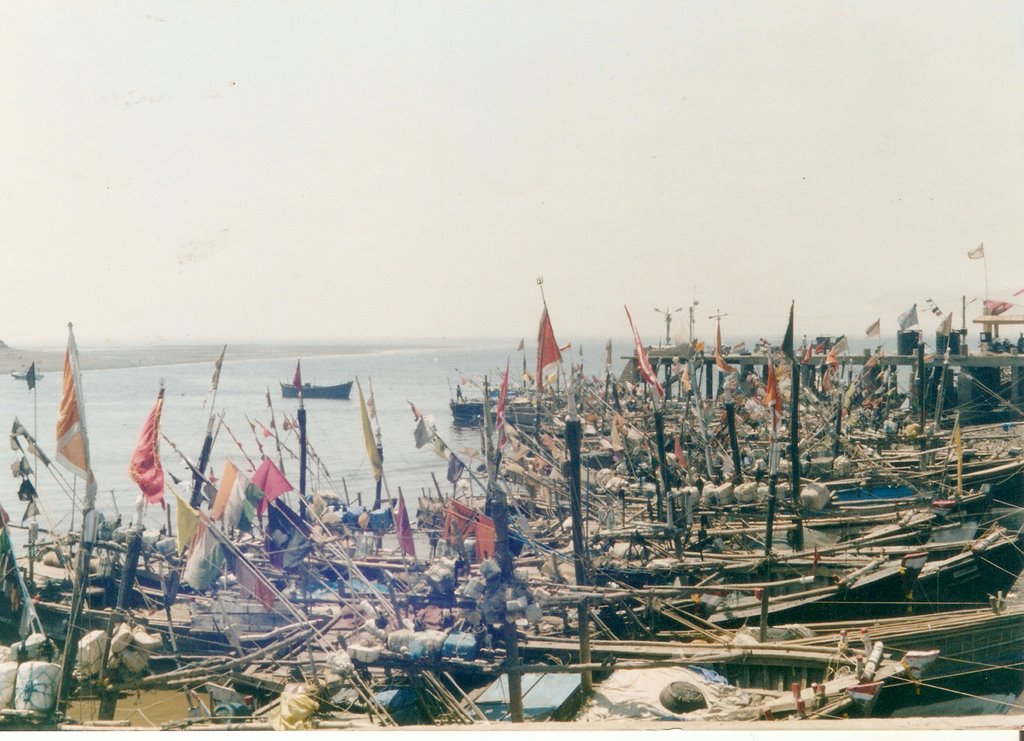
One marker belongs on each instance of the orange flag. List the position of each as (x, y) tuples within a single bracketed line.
[(145, 468), (72, 444), (772, 397), (547, 348), (719, 360)]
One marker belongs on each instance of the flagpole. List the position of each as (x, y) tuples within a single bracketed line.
[(277, 437), (204, 455)]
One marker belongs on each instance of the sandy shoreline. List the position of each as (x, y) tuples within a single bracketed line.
[(52, 361)]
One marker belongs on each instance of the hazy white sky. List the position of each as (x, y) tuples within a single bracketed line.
[(229, 170)]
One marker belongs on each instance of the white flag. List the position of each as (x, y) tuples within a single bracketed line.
[(978, 252)]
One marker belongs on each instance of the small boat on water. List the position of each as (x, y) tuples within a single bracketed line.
[(23, 375), (310, 391)]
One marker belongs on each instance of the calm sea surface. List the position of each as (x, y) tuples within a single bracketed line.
[(119, 400)]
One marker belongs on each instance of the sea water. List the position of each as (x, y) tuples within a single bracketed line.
[(118, 401)]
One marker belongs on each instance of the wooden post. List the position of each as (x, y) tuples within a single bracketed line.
[(499, 514), (586, 677), (794, 455), (773, 481), (837, 444), (730, 420), (572, 443), (661, 491)]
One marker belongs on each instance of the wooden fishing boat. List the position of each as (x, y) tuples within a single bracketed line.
[(310, 391), (23, 375)]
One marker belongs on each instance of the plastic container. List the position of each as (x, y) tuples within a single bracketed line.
[(36, 687), (460, 646)]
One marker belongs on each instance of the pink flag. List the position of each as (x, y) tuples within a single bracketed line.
[(297, 379), (271, 482), (995, 308), (403, 529), (145, 468), (641, 359)]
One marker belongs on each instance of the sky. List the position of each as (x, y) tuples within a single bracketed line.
[(227, 171)]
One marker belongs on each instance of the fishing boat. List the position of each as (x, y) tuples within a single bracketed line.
[(310, 391), (23, 375)]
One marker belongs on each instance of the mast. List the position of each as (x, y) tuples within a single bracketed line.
[(204, 455), (73, 452)]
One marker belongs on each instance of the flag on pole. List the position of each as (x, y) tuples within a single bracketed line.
[(946, 328), (608, 354), (72, 442), (908, 318), (204, 561), (522, 345), (287, 536), (250, 580), (297, 378), (642, 361), (237, 499), (271, 482), (832, 360), (371, 446), (719, 360), (499, 413), (547, 348), (977, 253), (187, 520), (145, 468), (30, 376), (216, 369), (772, 397), (787, 340), (404, 530), (995, 308), (875, 329)]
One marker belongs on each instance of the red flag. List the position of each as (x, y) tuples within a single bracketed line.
[(500, 412), (772, 397), (266, 432), (415, 412), (297, 379), (719, 360), (641, 359), (809, 350), (547, 348), (271, 482), (145, 468), (405, 541)]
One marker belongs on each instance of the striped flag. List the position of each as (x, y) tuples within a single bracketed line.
[(642, 361), (72, 441)]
